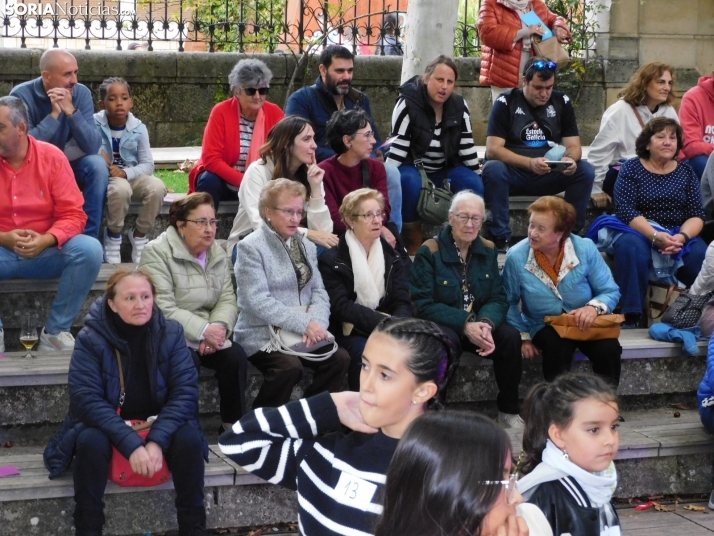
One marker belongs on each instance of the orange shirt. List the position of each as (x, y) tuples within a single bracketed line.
[(42, 195)]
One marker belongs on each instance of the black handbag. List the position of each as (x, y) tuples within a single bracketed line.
[(434, 203), (686, 310)]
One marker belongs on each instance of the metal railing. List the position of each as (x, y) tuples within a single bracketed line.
[(224, 25)]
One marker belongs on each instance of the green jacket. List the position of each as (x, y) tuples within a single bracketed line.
[(435, 283)]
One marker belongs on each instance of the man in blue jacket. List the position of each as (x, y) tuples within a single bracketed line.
[(62, 113), (333, 91)]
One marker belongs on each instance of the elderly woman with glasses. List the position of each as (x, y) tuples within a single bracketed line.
[(193, 286), (455, 282), (279, 285), (235, 131), (364, 277)]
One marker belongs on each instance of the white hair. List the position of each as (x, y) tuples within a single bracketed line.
[(467, 195)]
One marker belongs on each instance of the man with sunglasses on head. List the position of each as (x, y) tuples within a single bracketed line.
[(333, 91), (530, 128)]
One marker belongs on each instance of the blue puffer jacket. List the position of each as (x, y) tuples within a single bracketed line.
[(94, 387), (706, 388), (588, 278)]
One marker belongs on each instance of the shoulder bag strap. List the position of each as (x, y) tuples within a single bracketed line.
[(122, 393), (365, 173), (639, 117)]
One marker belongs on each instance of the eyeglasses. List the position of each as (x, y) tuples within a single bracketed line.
[(202, 222), (367, 135), (542, 65), (290, 213), (250, 91), (463, 219), (370, 216), (509, 484)]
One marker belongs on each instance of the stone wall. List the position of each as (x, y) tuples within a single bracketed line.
[(175, 92)]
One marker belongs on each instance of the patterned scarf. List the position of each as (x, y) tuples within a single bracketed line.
[(468, 297), (551, 271)]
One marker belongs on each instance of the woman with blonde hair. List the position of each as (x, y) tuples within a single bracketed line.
[(647, 95)]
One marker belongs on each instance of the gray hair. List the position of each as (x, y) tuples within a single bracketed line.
[(467, 195), (271, 192), (249, 73), (18, 110)]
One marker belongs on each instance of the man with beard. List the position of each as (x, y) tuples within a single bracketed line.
[(41, 219), (62, 113), (333, 91), (525, 124)]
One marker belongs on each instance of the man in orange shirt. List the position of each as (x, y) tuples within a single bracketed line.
[(41, 223)]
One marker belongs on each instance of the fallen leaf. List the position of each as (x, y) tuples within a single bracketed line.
[(663, 508), (695, 508), (681, 405), (655, 497)]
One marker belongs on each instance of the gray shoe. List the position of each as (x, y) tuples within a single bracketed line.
[(711, 501), (62, 342), (511, 421)]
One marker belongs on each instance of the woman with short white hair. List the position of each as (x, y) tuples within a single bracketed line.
[(455, 282)]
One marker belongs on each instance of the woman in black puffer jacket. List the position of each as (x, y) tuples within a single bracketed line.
[(160, 379)]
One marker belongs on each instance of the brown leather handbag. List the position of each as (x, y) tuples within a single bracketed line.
[(604, 327)]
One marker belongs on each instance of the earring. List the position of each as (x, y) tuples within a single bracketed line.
[(565, 454), (183, 236), (268, 220), (414, 402)]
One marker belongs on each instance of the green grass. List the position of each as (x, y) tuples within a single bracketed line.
[(173, 179)]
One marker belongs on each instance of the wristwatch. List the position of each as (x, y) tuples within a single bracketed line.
[(598, 308)]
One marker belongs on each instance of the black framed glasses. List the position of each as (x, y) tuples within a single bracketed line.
[(464, 218), (250, 91), (202, 222)]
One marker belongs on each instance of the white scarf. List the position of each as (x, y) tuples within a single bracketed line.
[(519, 6), (368, 270), (599, 487)]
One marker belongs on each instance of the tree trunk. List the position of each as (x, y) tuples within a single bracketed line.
[(431, 26)]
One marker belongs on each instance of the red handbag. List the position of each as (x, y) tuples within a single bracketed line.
[(120, 471)]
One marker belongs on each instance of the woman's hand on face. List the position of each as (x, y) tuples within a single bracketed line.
[(529, 350), (315, 175), (215, 336), (141, 462), (389, 237), (561, 35), (347, 404), (314, 333), (514, 526), (322, 238), (584, 316), (479, 333)]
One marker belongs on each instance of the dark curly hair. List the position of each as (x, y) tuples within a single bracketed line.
[(655, 126)]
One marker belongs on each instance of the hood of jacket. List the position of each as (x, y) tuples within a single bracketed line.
[(132, 122), (707, 84)]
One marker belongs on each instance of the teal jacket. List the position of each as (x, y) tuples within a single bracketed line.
[(435, 283)]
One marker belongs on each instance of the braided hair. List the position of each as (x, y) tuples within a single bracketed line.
[(432, 357)]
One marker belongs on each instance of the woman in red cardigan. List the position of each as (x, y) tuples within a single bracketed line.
[(236, 130), (506, 40)]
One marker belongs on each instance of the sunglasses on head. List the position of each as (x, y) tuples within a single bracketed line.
[(250, 91), (541, 65)]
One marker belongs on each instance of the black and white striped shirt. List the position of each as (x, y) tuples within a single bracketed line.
[(434, 158), (338, 478)]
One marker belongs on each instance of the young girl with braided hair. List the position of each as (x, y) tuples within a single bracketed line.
[(569, 443), (406, 366)]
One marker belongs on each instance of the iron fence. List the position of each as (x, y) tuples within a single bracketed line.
[(227, 25)]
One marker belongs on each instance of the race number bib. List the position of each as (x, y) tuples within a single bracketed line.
[(354, 491)]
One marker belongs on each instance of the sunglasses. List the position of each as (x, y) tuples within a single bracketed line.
[(250, 91), (541, 65)]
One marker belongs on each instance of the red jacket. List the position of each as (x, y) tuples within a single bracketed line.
[(497, 28), (42, 195), (696, 114), (220, 149)]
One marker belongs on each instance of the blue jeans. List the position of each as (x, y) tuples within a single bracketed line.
[(394, 189), (698, 163), (93, 454), (92, 176), (76, 264), (632, 267), (355, 347), (216, 187), (461, 177), (501, 181)]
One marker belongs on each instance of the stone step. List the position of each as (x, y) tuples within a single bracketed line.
[(659, 453)]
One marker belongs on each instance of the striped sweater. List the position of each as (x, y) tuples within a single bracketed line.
[(434, 158), (338, 478)]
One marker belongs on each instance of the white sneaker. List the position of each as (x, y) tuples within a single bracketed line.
[(2, 340), (62, 342), (511, 421), (137, 246), (112, 249), (711, 501)]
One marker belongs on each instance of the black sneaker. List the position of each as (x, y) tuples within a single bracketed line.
[(502, 244)]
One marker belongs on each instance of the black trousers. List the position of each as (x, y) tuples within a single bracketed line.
[(507, 362), (93, 454), (231, 366), (282, 372), (558, 355)]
